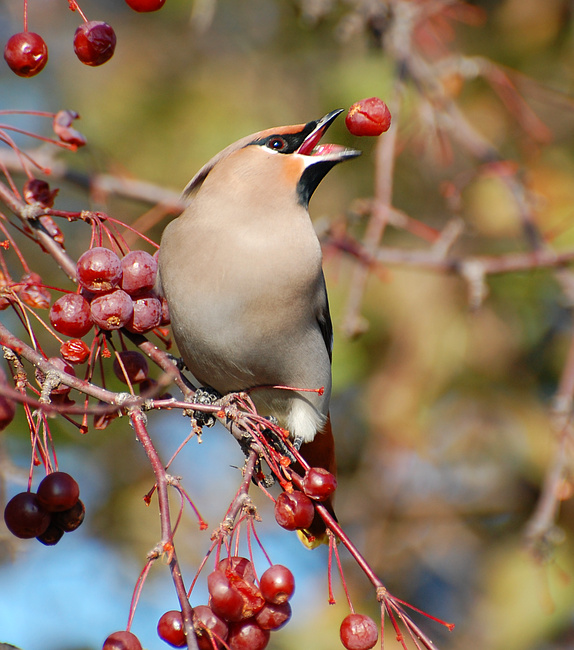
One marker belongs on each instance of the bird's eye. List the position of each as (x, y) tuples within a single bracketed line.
[(277, 144)]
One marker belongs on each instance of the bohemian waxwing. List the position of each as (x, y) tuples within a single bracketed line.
[(241, 272)]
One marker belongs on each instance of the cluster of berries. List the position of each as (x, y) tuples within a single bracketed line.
[(295, 510), (94, 43), (53, 510), (115, 293), (241, 613)]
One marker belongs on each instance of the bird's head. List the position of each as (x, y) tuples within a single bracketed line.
[(300, 157)]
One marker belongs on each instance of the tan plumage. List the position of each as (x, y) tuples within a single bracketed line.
[(241, 271)]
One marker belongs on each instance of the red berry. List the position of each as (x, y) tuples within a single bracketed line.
[(58, 491), (112, 311), (358, 632), (99, 270), (294, 510), (70, 315), (94, 42), (273, 617), (25, 517), (226, 602), (241, 575), (247, 636), (26, 54), (368, 117), (51, 536), (208, 626), (146, 314), (139, 272), (145, 5), (122, 641), (165, 318), (319, 483), (171, 630), (69, 520), (237, 567), (134, 366), (277, 584), (75, 351)]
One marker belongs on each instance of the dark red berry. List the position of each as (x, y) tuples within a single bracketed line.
[(112, 310), (37, 191), (104, 416), (99, 270), (358, 632), (75, 351), (253, 601), (133, 366), (70, 315), (241, 575), (122, 641), (58, 491), (33, 293), (25, 517), (319, 483), (237, 567), (145, 5), (7, 406), (62, 125), (171, 630), (139, 272), (247, 636), (94, 42), (294, 510), (368, 117), (51, 536), (226, 602), (7, 411), (146, 314), (277, 584), (208, 628), (69, 520), (273, 617), (26, 54)]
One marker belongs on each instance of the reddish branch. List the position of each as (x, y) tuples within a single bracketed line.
[(166, 547)]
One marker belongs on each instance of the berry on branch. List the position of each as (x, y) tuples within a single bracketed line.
[(26, 53)]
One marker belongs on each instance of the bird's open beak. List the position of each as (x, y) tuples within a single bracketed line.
[(334, 152)]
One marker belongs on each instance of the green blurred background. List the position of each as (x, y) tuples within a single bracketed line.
[(441, 412)]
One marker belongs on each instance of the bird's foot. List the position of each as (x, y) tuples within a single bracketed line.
[(277, 441), (297, 442), (205, 396)]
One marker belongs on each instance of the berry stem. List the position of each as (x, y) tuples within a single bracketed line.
[(343, 581), (74, 6), (137, 591), (252, 525), (332, 543), (25, 15)]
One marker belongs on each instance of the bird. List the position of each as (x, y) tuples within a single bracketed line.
[(241, 270)]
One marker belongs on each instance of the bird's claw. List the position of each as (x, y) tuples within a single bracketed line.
[(205, 396)]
